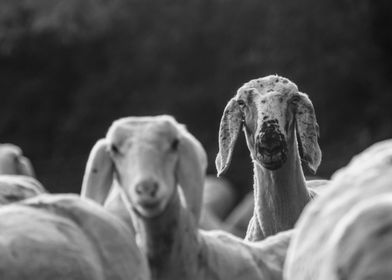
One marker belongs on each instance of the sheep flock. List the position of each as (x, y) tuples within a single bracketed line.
[(148, 210)]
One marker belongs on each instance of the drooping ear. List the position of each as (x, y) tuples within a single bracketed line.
[(98, 176), (12, 161), (307, 132), (24, 166), (191, 171), (230, 127)]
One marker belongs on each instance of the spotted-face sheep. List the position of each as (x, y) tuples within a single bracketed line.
[(160, 168), (346, 233), (63, 237), (280, 127)]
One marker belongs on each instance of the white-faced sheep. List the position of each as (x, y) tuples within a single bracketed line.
[(215, 201), (160, 168), (347, 232), (280, 127), (63, 237), (13, 162)]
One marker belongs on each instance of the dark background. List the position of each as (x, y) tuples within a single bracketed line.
[(69, 68)]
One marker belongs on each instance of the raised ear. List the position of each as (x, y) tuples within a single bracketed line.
[(307, 132), (98, 176), (191, 170), (229, 129)]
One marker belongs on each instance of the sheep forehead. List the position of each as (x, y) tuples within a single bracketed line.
[(267, 85), (269, 95), (158, 131)]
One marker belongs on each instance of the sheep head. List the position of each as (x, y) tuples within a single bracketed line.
[(13, 162), (270, 111), (149, 157)]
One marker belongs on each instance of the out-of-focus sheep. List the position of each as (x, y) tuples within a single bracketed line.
[(217, 200), (17, 180), (160, 168), (18, 187), (63, 237), (13, 162), (280, 127), (347, 232)]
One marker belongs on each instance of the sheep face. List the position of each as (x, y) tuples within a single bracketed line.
[(145, 157), (271, 112), (267, 120)]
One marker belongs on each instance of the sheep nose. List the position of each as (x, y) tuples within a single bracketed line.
[(269, 141), (147, 188)]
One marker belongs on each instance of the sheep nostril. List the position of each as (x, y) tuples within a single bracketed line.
[(147, 188)]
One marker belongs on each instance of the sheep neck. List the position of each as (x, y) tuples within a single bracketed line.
[(280, 196), (167, 240)]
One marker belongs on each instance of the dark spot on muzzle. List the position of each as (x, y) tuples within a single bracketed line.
[(271, 146)]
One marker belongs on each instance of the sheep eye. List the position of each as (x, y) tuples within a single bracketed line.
[(174, 144), (114, 149), (241, 103), (295, 99)]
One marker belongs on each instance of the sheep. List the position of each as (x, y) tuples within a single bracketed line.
[(280, 127), (237, 221), (17, 176), (18, 187), (160, 168), (63, 237), (211, 214), (12, 161), (346, 232)]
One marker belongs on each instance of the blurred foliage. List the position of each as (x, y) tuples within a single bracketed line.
[(68, 68)]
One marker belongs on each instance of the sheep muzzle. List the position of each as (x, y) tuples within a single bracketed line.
[(147, 199), (271, 146)]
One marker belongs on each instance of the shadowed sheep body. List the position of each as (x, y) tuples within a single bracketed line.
[(63, 237), (280, 127), (217, 203), (160, 168), (347, 232)]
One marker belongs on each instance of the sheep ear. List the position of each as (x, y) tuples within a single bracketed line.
[(230, 127), (98, 176), (24, 166), (191, 171), (307, 132)]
